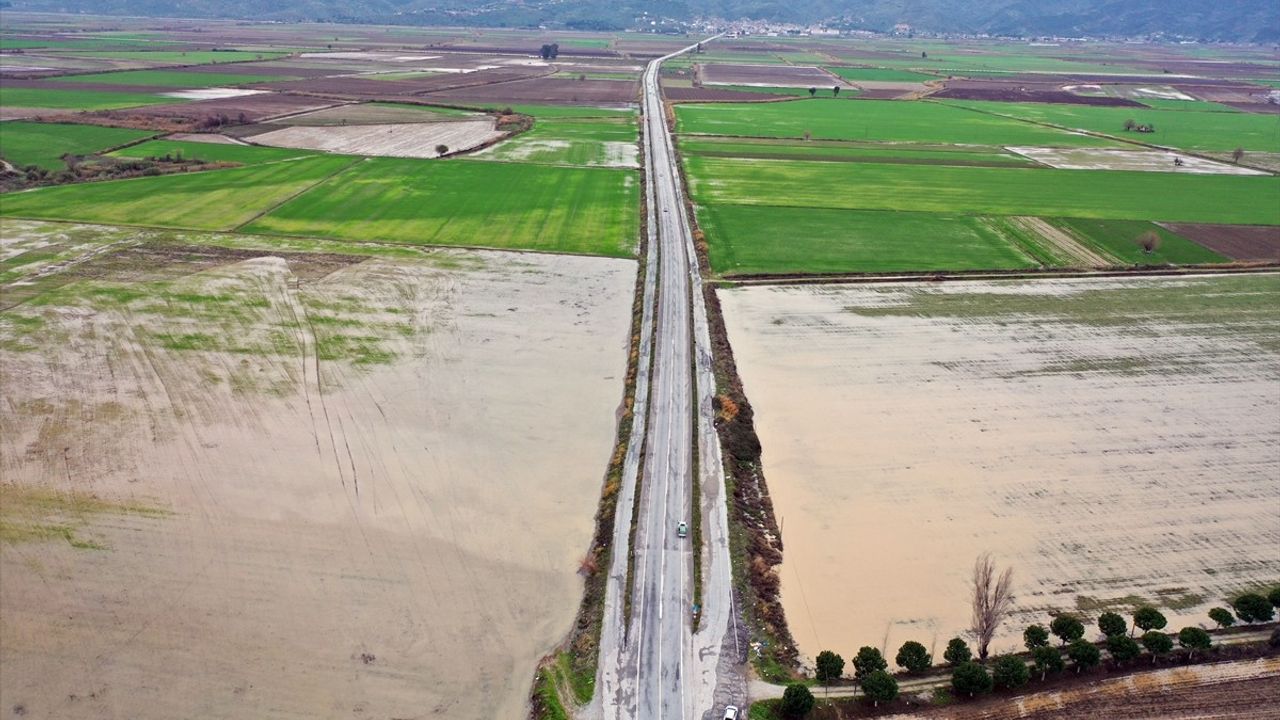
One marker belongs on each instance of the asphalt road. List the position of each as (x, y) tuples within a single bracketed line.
[(656, 667)]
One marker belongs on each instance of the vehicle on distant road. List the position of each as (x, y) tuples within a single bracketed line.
[(682, 530), (731, 713)]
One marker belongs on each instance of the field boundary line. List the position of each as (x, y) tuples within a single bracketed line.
[(961, 275), (299, 193)]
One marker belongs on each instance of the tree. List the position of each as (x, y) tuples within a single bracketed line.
[(957, 652), (1083, 654), (1237, 155), (835, 91), (924, 55), (880, 687), (1156, 643), (1149, 618), (808, 135), (1149, 241), (1111, 624), (867, 661), (828, 667), (1223, 617), (1252, 607), (1122, 648), (1194, 638), (1130, 124), (797, 701), (913, 657), (813, 91), (970, 678), (1274, 596), (1010, 672), (1047, 660), (550, 51), (1035, 636), (442, 149), (1067, 628), (992, 599)]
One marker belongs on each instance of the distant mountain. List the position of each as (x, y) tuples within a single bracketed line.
[(1221, 20)]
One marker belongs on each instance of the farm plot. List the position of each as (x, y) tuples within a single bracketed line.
[(1139, 160), (1098, 194), (849, 151), (1111, 440), (589, 143), (372, 114), (416, 140), (62, 99), (210, 200), (1238, 242), (253, 107), (44, 144), (1190, 129), (745, 240), (167, 78), (873, 74), (543, 90), (470, 203), (880, 120), (222, 150), (281, 484), (790, 76)]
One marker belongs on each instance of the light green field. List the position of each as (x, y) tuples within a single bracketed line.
[(1189, 129), (845, 151), (588, 143), (44, 144), (1000, 63), (213, 152), (76, 99), (880, 120), (169, 78), (1106, 194), (880, 74), (1119, 238), (746, 239), (11, 43), (210, 200), (469, 203)]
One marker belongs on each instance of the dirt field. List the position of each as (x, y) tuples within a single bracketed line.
[(1013, 93), (767, 76), (1112, 440), (1141, 160), (301, 485), (1206, 692), (548, 90), (402, 140), (1238, 242), (254, 107)]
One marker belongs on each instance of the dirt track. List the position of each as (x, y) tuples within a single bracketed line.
[(356, 492)]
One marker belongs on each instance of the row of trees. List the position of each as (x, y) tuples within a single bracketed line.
[(991, 602)]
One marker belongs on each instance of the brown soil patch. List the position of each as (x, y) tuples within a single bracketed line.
[(384, 537), (1238, 242), (254, 107), (545, 90), (1017, 94), (1255, 107), (712, 94), (364, 87)]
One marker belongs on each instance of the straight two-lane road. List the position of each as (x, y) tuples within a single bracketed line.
[(655, 667)]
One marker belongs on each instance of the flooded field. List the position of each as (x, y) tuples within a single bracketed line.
[(338, 481), (1114, 441)]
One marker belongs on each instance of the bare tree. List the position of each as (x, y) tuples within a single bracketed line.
[(1149, 241), (992, 599), (1237, 155)]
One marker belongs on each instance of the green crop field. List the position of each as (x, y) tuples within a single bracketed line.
[(881, 120), (59, 99), (469, 203), (880, 74), (173, 57), (595, 143), (44, 144), (210, 200), (843, 151), (1190, 129), (1119, 238), (746, 239), (213, 152), (1103, 194), (169, 78)]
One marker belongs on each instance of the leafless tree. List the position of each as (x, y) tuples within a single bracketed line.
[(1149, 241), (992, 599), (1237, 155)]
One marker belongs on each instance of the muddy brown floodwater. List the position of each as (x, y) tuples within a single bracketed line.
[(1114, 441), (258, 492)]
